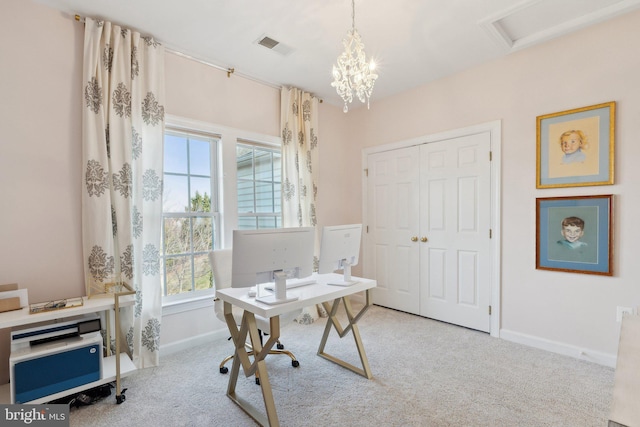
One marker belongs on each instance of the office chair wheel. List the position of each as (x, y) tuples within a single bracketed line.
[(280, 346), (295, 363), (224, 370)]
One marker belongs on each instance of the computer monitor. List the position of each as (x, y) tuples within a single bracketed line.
[(271, 255), (340, 250)]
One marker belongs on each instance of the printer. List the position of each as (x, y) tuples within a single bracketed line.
[(54, 357)]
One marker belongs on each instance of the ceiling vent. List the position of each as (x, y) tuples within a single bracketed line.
[(274, 45)]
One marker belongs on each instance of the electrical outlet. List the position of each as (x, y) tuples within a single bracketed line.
[(621, 311)]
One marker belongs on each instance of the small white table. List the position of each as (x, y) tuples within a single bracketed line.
[(319, 293)]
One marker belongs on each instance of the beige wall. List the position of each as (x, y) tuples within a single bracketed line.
[(596, 65), (40, 171)]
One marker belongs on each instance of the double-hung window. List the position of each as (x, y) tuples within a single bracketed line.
[(190, 213), (259, 176)]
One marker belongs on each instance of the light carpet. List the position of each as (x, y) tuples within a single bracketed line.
[(426, 373)]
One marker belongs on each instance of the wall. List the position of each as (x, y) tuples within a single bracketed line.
[(566, 312)]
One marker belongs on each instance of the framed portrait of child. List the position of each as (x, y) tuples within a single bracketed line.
[(576, 147), (575, 234)]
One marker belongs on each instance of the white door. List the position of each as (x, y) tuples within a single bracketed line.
[(455, 221), (428, 218), (393, 208)]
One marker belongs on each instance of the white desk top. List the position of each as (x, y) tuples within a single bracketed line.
[(20, 317), (307, 295)]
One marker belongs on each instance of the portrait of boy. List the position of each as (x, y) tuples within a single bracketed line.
[(573, 235), (572, 230)]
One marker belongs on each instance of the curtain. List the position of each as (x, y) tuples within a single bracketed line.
[(122, 149), (299, 127)]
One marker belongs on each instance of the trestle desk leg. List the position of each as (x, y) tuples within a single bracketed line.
[(334, 322), (259, 366)]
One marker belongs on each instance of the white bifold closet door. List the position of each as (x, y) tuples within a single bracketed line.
[(428, 219)]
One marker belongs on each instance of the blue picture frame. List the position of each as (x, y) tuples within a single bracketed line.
[(592, 163), (575, 234)]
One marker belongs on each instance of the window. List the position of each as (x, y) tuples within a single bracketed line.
[(259, 178), (190, 212)]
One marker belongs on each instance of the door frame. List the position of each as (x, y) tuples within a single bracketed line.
[(495, 132)]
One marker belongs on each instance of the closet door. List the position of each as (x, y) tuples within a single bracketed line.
[(455, 246), (393, 207)]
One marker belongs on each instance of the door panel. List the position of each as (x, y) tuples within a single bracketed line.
[(392, 198), (455, 218)]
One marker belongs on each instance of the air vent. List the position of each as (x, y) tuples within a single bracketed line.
[(268, 42), (274, 45)]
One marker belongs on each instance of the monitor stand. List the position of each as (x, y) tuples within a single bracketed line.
[(280, 295), (346, 281)]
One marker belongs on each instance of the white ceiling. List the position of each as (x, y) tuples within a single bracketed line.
[(413, 41)]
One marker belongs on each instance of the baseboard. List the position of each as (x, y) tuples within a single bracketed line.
[(177, 346), (560, 348)]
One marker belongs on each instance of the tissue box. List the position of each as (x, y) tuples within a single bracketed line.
[(12, 298)]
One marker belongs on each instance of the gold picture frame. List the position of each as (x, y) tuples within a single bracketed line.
[(575, 148)]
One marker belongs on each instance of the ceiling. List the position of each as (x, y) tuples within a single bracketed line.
[(412, 41)]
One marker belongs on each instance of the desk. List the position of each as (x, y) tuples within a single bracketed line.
[(319, 293)]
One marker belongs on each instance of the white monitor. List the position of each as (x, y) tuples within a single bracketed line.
[(271, 255), (340, 250)]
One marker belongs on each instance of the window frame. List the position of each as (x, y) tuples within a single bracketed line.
[(214, 214), (256, 214), (226, 178)]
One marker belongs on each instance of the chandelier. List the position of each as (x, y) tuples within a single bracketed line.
[(352, 73)]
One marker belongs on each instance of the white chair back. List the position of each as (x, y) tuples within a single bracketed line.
[(221, 263)]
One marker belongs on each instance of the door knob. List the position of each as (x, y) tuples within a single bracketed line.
[(423, 239), (414, 239)]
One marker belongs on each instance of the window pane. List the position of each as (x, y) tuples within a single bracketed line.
[(175, 194), (178, 277), (264, 197), (245, 197), (266, 222), (247, 223), (177, 236), (175, 154), (264, 165), (259, 176), (202, 234), (203, 278), (200, 194), (188, 182), (244, 162), (200, 157)]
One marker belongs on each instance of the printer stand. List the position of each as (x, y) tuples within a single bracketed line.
[(114, 367)]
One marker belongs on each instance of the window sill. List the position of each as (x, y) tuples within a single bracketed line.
[(195, 303)]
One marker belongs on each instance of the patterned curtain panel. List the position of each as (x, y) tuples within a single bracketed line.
[(299, 126), (122, 137)]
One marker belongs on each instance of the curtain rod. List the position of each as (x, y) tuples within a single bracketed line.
[(229, 71)]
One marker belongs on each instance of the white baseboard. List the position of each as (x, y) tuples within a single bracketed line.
[(560, 348), (190, 342)]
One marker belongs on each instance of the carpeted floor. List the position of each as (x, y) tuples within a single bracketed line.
[(426, 373)]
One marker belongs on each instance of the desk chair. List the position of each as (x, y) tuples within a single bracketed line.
[(221, 262)]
